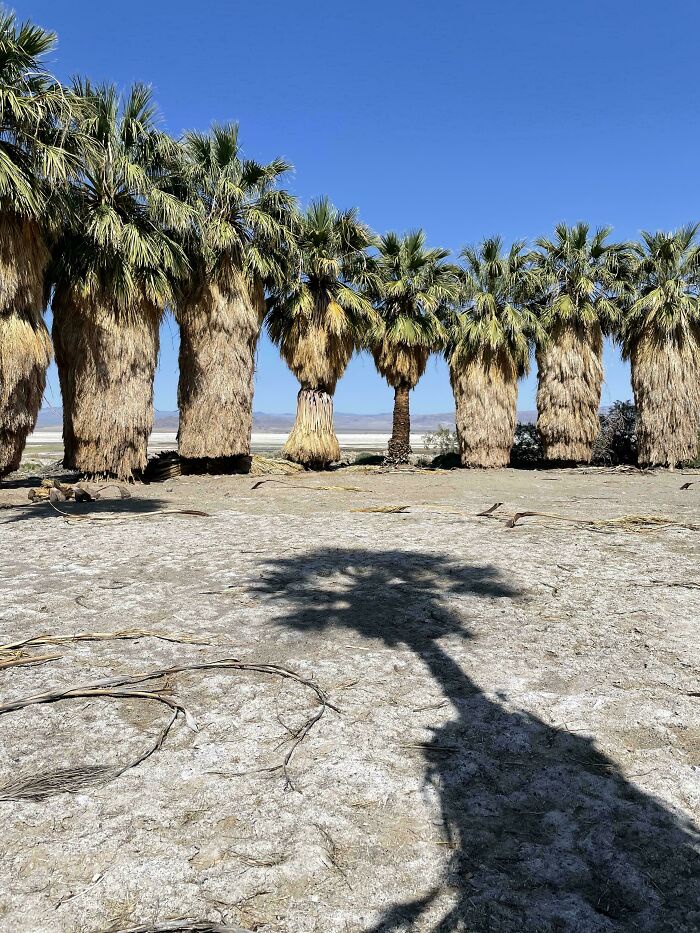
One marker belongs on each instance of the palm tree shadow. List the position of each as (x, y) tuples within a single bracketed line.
[(546, 833)]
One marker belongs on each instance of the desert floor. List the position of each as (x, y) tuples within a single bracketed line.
[(511, 740)]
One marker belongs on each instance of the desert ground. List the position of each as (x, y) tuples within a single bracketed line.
[(491, 728)]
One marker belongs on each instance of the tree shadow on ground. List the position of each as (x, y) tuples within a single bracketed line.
[(546, 832)]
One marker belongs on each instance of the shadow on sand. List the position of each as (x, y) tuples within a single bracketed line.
[(547, 834), (117, 508)]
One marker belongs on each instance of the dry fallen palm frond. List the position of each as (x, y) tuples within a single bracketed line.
[(387, 509), (628, 522), (280, 482), (36, 640), (37, 659), (262, 466), (121, 517), (183, 926), (74, 778)]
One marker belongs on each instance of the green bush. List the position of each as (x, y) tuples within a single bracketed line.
[(526, 453), (617, 441)]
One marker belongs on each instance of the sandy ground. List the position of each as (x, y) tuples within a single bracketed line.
[(515, 744)]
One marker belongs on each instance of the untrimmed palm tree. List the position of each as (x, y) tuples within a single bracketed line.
[(582, 277), (318, 321), (115, 263), (414, 285), (489, 349), (241, 242), (32, 158), (660, 335)]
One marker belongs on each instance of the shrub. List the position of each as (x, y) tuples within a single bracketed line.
[(526, 453), (444, 441), (617, 441)]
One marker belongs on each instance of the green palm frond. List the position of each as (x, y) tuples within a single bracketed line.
[(494, 317), (412, 288), (582, 278), (34, 108), (243, 221), (665, 305), (326, 292), (119, 239)]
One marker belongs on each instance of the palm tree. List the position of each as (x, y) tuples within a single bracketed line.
[(115, 263), (489, 350), (241, 242), (33, 108), (660, 335), (319, 319), (414, 285), (582, 277)]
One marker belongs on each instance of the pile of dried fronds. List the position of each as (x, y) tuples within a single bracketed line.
[(51, 490)]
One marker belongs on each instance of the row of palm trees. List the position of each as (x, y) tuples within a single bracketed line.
[(112, 221)]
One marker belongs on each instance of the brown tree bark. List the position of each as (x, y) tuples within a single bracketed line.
[(400, 441)]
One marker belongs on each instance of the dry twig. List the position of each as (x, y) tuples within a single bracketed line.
[(75, 778)]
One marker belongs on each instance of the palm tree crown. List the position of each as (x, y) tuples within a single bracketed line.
[(495, 318), (242, 221), (34, 108), (581, 277), (666, 304), (413, 288), (119, 239), (322, 315)]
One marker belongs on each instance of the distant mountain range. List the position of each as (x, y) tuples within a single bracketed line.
[(51, 419)]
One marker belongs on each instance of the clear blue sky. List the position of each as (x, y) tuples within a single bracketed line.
[(465, 117)]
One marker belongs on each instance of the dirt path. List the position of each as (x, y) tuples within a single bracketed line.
[(516, 744)]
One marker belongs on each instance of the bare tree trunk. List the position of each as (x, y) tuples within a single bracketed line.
[(486, 398), (569, 384), (218, 337), (312, 441), (25, 347), (400, 441), (106, 365), (666, 384)]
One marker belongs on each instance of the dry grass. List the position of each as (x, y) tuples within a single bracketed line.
[(25, 348), (218, 336), (106, 364), (486, 396), (666, 383), (570, 378), (312, 441)]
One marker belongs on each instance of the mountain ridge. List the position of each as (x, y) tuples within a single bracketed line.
[(50, 418)]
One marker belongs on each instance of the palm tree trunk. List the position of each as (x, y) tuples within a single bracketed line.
[(106, 365), (569, 384), (486, 399), (312, 441), (218, 337), (400, 441), (666, 384), (25, 347)]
